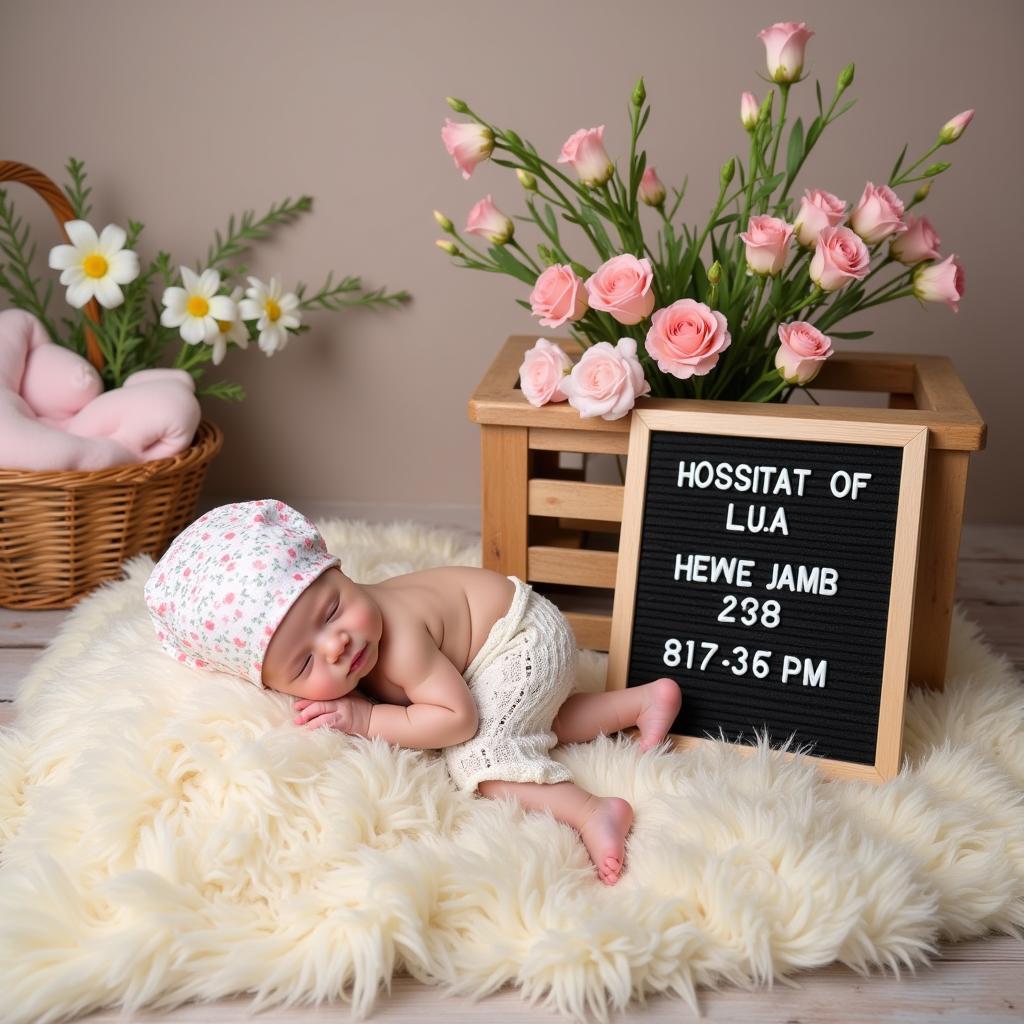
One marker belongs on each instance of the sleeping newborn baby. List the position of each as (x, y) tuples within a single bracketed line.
[(455, 658)]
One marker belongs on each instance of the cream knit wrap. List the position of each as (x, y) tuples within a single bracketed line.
[(519, 679)]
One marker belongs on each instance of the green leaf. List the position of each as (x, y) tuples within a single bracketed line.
[(795, 152), (817, 89), (850, 334), (899, 163), (510, 265), (222, 389), (767, 187), (590, 218), (726, 220)]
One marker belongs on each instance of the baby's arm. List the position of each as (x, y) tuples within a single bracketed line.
[(442, 713)]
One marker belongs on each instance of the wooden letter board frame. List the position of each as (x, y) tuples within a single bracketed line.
[(913, 440)]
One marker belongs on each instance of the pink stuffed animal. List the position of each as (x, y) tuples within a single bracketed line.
[(55, 415)]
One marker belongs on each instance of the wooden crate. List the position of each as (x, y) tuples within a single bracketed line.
[(543, 523)]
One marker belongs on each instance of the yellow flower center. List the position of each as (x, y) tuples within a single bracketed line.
[(273, 310), (224, 325), (94, 265), (198, 306)]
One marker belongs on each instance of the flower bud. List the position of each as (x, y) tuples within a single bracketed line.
[(922, 193), (527, 180), (748, 111), (651, 191), (728, 170), (940, 282), (457, 105), (639, 93), (585, 151), (449, 247), (954, 127), (765, 113), (487, 221), (845, 79), (930, 172), (784, 44), (715, 273), (446, 224)]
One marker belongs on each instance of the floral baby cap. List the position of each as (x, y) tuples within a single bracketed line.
[(227, 581)]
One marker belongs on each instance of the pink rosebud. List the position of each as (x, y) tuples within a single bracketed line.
[(487, 221), (818, 210), (749, 109), (878, 214), (918, 242), (802, 352), (687, 338), (954, 127), (467, 143), (607, 381), (558, 295), (208, 624), (839, 258), (228, 598), (238, 641), (230, 535), (940, 282), (622, 287), (784, 44), (652, 191), (585, 151), (543, 370), (767, 239)]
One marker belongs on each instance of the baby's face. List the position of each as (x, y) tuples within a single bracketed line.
[(311, 654)]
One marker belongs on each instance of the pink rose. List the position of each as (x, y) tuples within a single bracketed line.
[(878, 214), (651, 191), (801, 353), (687, 337), (954, 127), (622, 286), (467, 143), (767, 239), (585, 151), (839, 258), (784, 45), (558, 295), (607, 381), (487, 221), (918, 242), (543, 370), (818, 210), (940, 282), (749, 109)]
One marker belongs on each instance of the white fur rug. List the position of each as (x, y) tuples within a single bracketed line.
[(167, 835)]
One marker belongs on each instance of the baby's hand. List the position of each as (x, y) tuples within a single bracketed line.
[(348, 714)]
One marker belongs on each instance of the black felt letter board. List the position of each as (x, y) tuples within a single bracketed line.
[(731, 672)]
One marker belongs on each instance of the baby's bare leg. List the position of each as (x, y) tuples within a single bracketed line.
[(652, 708), (602, 822)]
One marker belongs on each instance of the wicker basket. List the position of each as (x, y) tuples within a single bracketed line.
[(63, 533)]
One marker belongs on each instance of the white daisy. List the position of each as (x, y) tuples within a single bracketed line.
[(197, 307), (94, 266), (275, 312), (230, 330)]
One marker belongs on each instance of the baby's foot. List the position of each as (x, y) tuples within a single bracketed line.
[(660, 709), (604, 835)]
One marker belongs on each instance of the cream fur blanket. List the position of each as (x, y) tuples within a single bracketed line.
[(168, 835)]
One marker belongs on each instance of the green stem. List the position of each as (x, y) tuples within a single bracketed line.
[(784, 89)]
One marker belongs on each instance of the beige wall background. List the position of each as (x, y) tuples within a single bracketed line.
[(187, 111)]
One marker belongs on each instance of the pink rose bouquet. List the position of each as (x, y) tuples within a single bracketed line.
[(741, 305)]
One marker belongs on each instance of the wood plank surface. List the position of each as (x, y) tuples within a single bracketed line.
[(955, 989)]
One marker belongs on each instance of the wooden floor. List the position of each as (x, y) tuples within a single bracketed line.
[(976, 981)]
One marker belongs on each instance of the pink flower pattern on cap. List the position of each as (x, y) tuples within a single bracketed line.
[(226, 582)]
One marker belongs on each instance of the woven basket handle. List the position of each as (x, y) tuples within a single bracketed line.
[(11, 170)]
